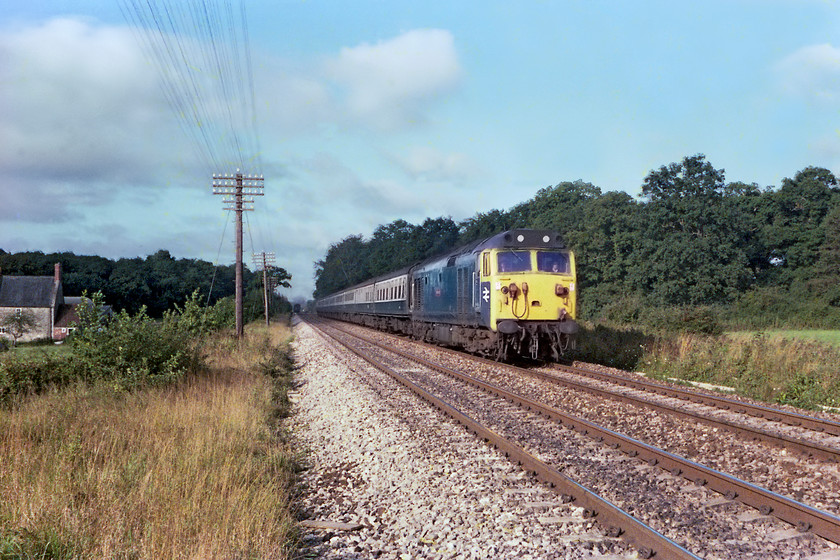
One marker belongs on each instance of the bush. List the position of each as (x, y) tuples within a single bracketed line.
[(634, 312), (26, 374), (132, 350), (611, 346), (198, 320), (688, 319), (126, 350), (777, 307)]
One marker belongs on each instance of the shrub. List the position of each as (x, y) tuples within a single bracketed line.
[(611, 346), (633, 311), (198, 320), (132, 350), (26, 374), (688, 319)]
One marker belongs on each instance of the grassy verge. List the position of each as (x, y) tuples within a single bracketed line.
[(825, 336), (783, 370), (785, 367), (195, 469)]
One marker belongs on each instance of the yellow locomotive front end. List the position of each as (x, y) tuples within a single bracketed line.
[(532, 300)]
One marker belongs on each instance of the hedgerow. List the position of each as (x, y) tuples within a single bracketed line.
[(124, 351)]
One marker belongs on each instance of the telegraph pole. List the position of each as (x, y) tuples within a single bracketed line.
[(264, 260), (238, 190)]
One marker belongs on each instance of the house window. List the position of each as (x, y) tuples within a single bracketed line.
[(2, 330)]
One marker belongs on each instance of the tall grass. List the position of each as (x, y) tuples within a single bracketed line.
[(191, 470), (773, 369)]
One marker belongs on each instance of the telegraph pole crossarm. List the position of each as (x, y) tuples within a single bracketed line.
[(238, 190)]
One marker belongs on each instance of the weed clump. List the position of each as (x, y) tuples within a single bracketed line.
[(771, 369)]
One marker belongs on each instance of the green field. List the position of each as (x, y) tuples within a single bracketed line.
[(37, 349), (828, 337)]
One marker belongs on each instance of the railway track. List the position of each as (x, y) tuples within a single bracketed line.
[(613, 518), (806, 435), (791, 418), (616, 523)]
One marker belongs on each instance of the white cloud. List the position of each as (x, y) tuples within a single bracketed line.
[(89, 138), (80, 101), (388, 83), (290, 100), (812, 72), (83, 120), (433, 165)]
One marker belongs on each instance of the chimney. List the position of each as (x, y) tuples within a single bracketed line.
[(57, 277)]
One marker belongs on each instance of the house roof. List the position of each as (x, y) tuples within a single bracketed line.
[(68, 313), (27, 291)]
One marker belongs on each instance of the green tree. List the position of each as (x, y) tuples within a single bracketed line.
[(826, 278), (484, 225), (18, 324), (689, 251), (392, 247), (345, 264), (434, 237), (559, 208), (605, 249), (794, 224)]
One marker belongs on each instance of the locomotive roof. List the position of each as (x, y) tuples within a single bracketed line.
[(526, 238), (511, 239)]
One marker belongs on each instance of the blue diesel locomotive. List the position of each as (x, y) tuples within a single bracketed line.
[(510, 295)]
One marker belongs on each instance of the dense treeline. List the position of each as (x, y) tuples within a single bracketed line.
[(756, 254), (157, 282)]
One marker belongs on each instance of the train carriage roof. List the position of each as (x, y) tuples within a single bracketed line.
[(512, 239)]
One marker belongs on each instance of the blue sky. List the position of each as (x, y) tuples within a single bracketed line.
[(371, 111)]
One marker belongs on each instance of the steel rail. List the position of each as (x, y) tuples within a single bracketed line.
[(805, 447), (759, 411), (808, 448), (615, 521), (802, 516)]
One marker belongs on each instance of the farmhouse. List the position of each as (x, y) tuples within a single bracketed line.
[(40, 296)]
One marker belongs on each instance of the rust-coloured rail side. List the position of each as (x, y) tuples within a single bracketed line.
[(805, 447), (802, 516), (708, 399), (616, 522)]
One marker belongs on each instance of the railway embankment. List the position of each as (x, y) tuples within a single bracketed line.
[(193, 468)]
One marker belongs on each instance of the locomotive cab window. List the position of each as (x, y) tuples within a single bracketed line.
[(553, 261), (513, 261)]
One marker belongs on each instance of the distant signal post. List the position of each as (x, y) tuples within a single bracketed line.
[(239, 191)]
